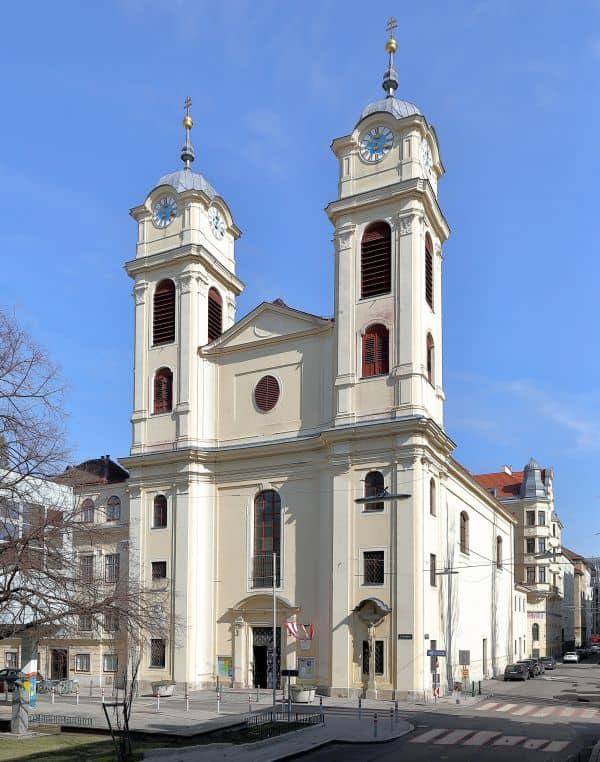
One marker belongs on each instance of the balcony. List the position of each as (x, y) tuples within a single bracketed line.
[(537, 530), (261, 573)]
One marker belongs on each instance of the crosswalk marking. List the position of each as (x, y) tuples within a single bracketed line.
[(534, 743), (429, 735), (480, 738), (509, 740), (556, 746), (588, 714), (524, 709), (488, 705), (506, 707), (543, 712), (567, 712), (454, 737), (540, 710)]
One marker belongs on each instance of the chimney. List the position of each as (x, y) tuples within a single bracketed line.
[(507, 470)]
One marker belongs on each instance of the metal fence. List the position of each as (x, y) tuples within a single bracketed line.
[(60, 719), (272, 722)]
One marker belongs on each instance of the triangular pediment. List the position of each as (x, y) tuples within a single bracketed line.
[(267, 322)]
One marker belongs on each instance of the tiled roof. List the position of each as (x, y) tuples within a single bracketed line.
[(506, 485), (102, 470), (571, 555)]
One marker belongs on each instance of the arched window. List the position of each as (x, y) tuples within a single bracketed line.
[(113, 509), (430, 359), (429, 270), (499, 552), (464, 532), (432, 498), (159, 512), (215, 314), (375, 351), (267, 538), (374, 487), (163, 320), (535, 631), (87, 511), (163, 390), (376, 260)]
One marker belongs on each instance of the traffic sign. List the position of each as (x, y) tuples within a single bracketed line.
[(436, 652)]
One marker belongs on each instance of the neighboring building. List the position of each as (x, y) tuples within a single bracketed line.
[(593, 565), (578, 600), (520, 627), (529, 497)]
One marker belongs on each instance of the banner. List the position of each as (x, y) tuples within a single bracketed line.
[(29, 689)]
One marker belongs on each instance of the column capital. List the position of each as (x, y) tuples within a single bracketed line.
[(139, 291), (343, 236)]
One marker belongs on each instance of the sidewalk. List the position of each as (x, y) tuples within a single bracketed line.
[(347, 729)]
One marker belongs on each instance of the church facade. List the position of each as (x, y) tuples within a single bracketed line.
[(308, 454)]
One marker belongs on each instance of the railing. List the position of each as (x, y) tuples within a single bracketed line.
[(262, 570), (272, 722), (60, 719)]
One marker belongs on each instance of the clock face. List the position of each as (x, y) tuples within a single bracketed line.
[(164, 211), (426, 160), (217, 223), (375, 143)]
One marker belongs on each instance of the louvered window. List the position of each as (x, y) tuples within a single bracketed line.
[(375, 351), (163, 326), (376, 260), (430, 359), (163, 391), (215, 314), (429, 271), (266, 393), (374, 487)]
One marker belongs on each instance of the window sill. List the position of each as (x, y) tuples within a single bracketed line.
[(151, 666), (166, 527), (372, 584), (376, 375), (159, 415)]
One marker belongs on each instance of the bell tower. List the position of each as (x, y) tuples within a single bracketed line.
[(389, 232), (184, 292)]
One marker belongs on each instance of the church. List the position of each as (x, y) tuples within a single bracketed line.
[(293, 470)]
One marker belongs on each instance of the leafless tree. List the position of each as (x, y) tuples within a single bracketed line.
[(45, 585)]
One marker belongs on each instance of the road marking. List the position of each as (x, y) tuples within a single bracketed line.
[(429, 735), (543, 712), (453, 737), (480, 738), (568, 711), (588, 714), (557, 746), (509, 740), (534, 743), (525, 708), (488, 705), (506, 707)]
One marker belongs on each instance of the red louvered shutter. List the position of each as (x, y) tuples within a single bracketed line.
[(376, 260), (163, 391), (215, 314), (163, 319), (266, 393), (429, 271), (375, 351)]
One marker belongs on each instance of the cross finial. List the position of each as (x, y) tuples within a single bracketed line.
[(390, 78), (187, 152), (187, 105), (391, 25)]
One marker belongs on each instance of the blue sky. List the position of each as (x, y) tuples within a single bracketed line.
[(91, 117)]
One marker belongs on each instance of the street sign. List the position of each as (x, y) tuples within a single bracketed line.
[(436, 652), (289, 673), (465, 673), (464, 658), (405, 636)]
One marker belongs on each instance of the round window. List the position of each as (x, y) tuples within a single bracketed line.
[(266, 393)]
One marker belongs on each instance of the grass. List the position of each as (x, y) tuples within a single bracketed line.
[(57, 747)]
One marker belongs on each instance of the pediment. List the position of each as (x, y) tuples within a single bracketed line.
[(269, 321)]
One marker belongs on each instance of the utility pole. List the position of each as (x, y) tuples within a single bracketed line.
[(274, 650)]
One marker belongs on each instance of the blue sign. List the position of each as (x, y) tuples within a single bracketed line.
[(436, 652)]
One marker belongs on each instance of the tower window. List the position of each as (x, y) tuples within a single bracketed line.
[(375, 351), (267, 538), (432, 498), (429, 271), (159, 512), (430, 359), (376, 260), (163, 325), (163, 391), (215, 314), (499, 552), (266, 393), (464, 532), (374, 487)]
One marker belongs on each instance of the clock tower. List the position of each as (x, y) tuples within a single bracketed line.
[(184, 291), (389, 232)]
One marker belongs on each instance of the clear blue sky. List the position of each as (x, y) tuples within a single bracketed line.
[(91, 117)]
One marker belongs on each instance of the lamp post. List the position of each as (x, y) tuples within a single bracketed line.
[(448, 572)]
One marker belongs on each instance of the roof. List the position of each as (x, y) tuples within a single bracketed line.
[(102, 470), (391, 105), (507, 486), (185, 179), (280, 303)]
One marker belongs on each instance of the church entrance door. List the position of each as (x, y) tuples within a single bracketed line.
[(262, 652)]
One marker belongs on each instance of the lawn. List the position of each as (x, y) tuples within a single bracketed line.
[(67, 747)]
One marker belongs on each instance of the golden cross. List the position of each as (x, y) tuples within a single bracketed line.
[(391, 25), (187, 105)]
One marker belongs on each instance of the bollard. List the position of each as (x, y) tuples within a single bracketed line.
[(322, 710), (52, 696), (359, 707), (218, 703), (391, 719), (187, 701), (480, 687), (218, 684), (375, 725), (249, 704), (102, 694), (472, 687), (77, 695), (91, 684), (6, 691), (158, 702), (396, 708), (257, 696)]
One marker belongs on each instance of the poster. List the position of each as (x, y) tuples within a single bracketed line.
[(306, 666), (225, 666), (29, 689)]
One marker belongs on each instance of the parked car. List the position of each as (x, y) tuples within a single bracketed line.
[(549, 662), (532, 666), (582, 653), (571, 657), (8, 676), (517, 671)]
